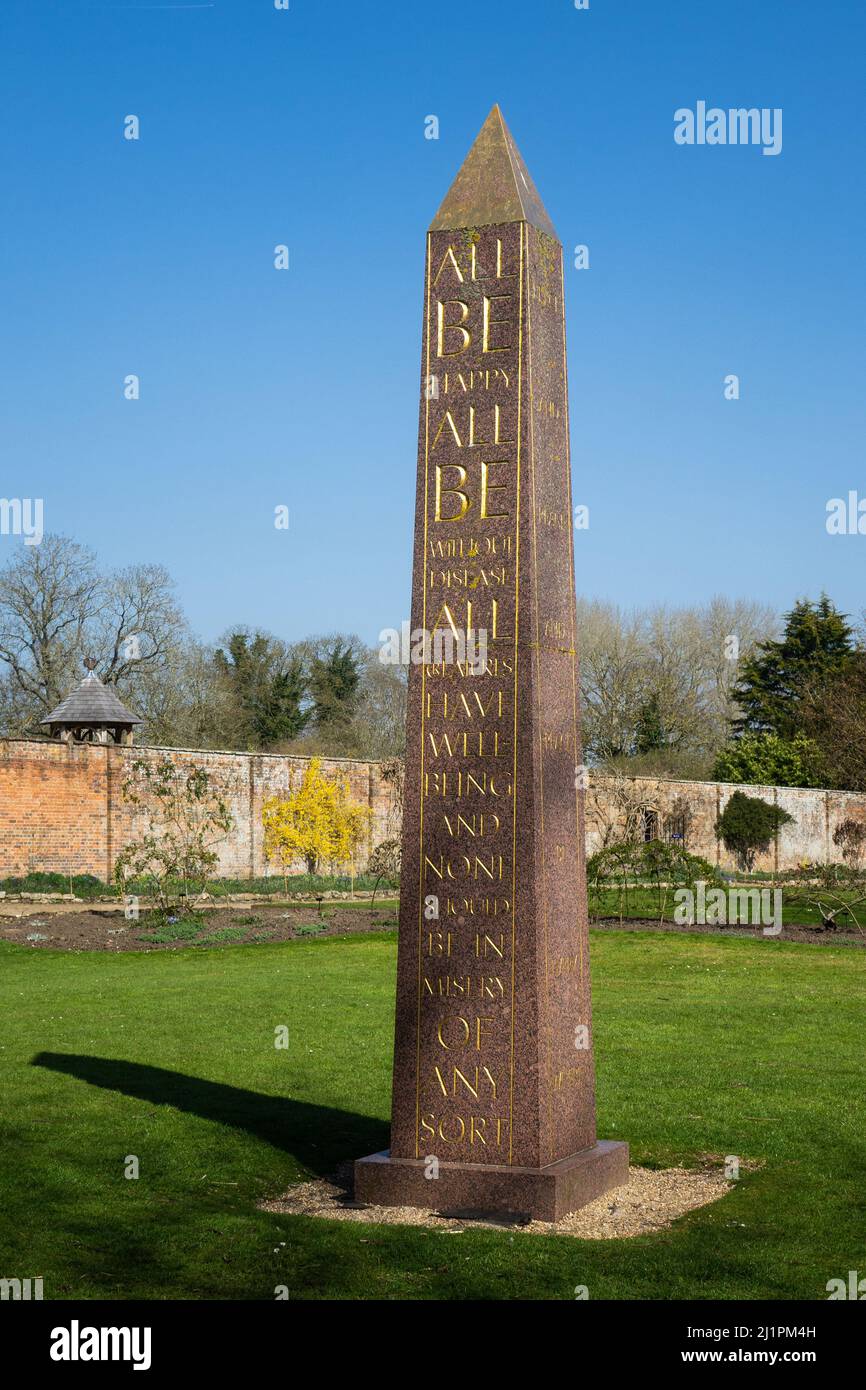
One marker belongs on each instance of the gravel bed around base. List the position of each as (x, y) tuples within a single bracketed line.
[(650, 1201)]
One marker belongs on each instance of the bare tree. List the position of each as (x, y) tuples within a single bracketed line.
[(48, 594), (615, 806), (665, 672), (56, 608), (189, 703)]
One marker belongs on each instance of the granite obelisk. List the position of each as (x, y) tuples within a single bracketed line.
[(493, 1091)]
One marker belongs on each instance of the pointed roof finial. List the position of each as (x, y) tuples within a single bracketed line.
[(493, 185)]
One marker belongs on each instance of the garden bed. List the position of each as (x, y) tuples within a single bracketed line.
[(245, 924), (84, 930)]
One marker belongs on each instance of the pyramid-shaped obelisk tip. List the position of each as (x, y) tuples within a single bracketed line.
[(493, 185)]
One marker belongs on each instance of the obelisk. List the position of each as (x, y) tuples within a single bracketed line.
[(493, 1092)]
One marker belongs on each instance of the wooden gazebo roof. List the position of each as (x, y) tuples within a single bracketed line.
[(94, 705)]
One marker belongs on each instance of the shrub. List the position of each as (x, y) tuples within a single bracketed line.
[(185, 929), (836, 891), (185, 816), (81, 885), (662, 866), (317, 822), (222, 934), (748, 825), (384, 863)]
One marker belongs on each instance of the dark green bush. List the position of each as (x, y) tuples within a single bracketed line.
[(748, 826), (82, 885)]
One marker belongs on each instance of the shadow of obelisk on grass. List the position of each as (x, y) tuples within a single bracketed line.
[(318, 1136)]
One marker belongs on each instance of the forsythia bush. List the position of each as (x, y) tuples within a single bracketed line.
[(317, 822)]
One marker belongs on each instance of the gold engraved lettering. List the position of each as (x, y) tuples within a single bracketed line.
[(453, 1129), (444, 328), (484, 944), (448, 420), (475, 379), (473, 442), (449, 259), (457, 784), (489, 322), (469, 547), (481, 1075), (439, 943), (570, 1075), (557, 742), (475, 866), (469, 579), (488, 487), (446, 618), (481, 907), (464, 986), (467, 744), (474, 826), (456, 706), (464, 503)]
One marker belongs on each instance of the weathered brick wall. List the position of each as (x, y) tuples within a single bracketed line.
[(54, 808), (62, 809)]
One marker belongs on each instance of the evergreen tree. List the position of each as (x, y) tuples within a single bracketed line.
[(650, 732), (279, 716), (269, 686), (769, 761), (334, 687), (773, 683)]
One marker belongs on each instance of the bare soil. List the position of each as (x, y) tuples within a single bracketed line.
[(223, 926), (106, 929)]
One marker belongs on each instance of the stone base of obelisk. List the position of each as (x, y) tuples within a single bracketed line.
[(544, 1194)]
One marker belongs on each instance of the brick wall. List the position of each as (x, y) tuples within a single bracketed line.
[(61, 807)]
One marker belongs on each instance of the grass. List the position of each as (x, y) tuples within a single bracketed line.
[(704, 1044), (641, 903), (644, 904)]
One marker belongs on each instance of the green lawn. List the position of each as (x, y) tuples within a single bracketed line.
[(704, 1045), (643, 904)]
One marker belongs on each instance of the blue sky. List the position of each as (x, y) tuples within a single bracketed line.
[(261, 387)]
